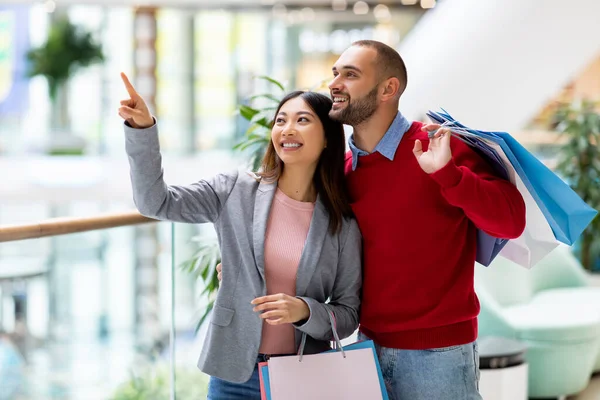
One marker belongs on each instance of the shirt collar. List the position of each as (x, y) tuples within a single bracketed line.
[(388, 144)]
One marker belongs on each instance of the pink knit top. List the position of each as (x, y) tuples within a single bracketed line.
[(287, 229)]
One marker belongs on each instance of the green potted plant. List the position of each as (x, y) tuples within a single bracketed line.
[(67, 49), (579, 164)]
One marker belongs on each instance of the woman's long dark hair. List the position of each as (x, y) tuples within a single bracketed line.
[(329, 176)]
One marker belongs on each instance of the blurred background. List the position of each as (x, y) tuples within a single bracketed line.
[(89, 315)]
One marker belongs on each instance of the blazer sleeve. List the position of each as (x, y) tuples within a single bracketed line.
[(344, 301), (198, 202)]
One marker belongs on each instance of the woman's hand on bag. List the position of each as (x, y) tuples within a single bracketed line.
[(134, 109), (280, 309)]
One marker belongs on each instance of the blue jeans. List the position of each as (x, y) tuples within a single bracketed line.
[(219, 389), (449, 373)]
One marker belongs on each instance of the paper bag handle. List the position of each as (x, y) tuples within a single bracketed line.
[(338, 343)]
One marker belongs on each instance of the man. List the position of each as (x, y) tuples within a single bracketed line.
[(418, 202)]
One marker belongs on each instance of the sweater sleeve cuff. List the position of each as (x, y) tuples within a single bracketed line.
[(449, 176)]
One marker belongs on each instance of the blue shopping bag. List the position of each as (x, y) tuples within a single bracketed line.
[(567, 214), (488, 247)]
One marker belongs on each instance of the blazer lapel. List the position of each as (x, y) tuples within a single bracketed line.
[(262, 206), (319, 225)]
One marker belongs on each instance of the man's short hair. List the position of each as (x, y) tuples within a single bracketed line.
[(388, 60)]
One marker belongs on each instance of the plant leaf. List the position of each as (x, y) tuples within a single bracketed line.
[(273, 81), (205, 315), (265, 96), (247, 112)]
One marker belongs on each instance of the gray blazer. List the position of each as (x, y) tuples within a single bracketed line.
[(238, 205)]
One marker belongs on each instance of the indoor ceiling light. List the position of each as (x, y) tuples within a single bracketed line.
[(279, 10), (361, 8), (308, 14), (427, 3), (382, 13), (339, 5), (50, 6)]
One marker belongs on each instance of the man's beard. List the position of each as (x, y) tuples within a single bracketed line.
[(357, 111)]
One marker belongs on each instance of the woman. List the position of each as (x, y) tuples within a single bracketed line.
[(287, 239)]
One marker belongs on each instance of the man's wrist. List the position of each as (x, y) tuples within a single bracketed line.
[(448, 176)]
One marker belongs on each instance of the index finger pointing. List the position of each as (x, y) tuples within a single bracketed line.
[(128, 85)]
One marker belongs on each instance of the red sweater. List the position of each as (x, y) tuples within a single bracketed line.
[(419, 235)]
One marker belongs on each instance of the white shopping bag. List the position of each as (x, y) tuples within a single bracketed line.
[(538, 240)]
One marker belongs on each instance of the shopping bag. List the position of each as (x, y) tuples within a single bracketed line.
[(563, 210), (537, 240), (566, 212), (265, 384), (265, 381), (488, 246), (350, 372)]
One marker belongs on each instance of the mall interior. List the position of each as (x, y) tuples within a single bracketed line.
[(97, 302)]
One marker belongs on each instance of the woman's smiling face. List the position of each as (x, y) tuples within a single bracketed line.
[(297, 134)]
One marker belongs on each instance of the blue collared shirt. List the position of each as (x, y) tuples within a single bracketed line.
[(388, 144)]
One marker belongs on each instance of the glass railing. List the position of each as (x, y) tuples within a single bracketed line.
[(100, 308)]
